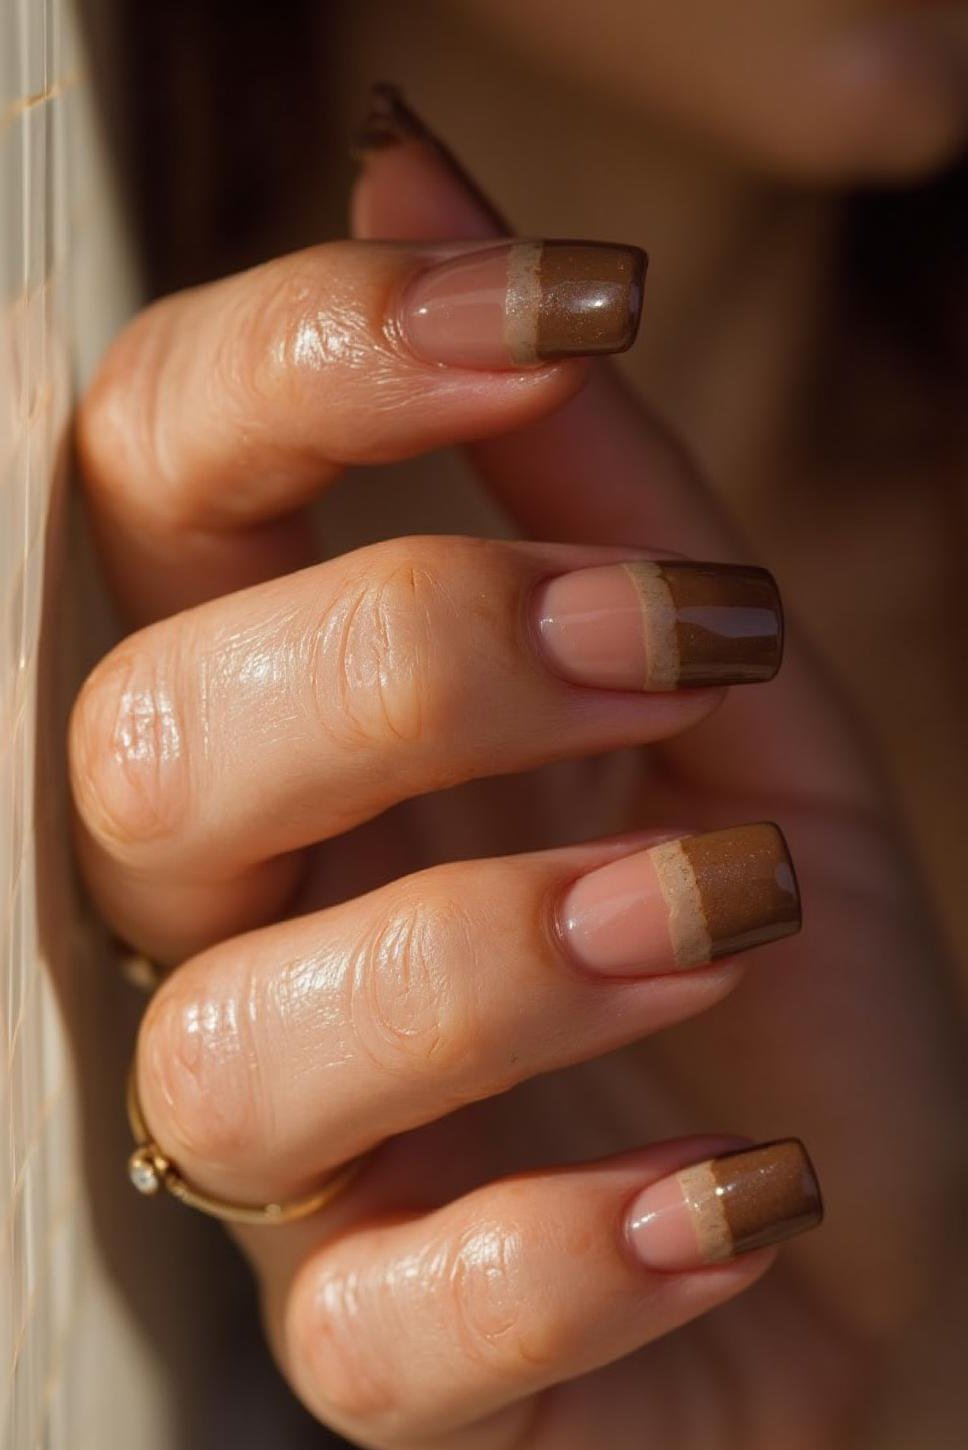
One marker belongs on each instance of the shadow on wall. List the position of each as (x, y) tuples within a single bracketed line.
[(222, 128), (189, 1293)]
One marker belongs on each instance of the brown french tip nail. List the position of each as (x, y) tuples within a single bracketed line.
[(728, 622), (662, 625), (523, 303), (683, 903), (726, 891), (730, 1205)]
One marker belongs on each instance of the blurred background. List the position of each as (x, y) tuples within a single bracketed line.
[(793, 174)]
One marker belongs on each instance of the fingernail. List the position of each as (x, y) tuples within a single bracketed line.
[(662, 625), (726, 1206), (524, 303), (390, 121), (683, 903)]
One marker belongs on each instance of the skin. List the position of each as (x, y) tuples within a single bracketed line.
[(188, 867)]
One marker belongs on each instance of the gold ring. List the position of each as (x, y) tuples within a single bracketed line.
[(150, 1171)]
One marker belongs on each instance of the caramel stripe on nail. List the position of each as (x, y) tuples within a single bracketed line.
[(766, 1194), (659, 623), (688, 932), (700, 1189), (522, 306)]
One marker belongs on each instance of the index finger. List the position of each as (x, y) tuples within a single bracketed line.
[(603, 468), (220, 413)]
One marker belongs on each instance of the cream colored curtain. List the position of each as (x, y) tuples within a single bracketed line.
[(83, 1362)]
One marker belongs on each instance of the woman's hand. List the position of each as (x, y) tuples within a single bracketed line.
[(479, 1018)]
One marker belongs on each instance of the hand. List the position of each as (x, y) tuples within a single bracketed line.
[(479, 1018)]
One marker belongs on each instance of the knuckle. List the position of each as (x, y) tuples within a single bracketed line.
[(408, 1004), (197, 1061), (501, 1326), (467, 1297), (334, 1346), (247, 363), (302, 316), (129, 771), (377, 669)]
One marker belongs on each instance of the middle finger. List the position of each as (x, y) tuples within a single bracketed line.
[(209, 746)]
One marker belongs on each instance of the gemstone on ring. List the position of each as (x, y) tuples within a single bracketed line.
[(143, 1172)]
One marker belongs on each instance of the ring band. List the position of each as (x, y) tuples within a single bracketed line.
[(150, 1171)]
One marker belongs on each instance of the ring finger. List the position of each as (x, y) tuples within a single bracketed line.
[(209, 746), (270, 1059)]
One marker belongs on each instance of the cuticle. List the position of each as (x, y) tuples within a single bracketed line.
[(554, 926), (554, 929), (530, 625), (393, 329), (394, 303)]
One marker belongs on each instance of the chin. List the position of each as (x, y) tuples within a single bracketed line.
[(878, 110), (895, 113), (871, 139)]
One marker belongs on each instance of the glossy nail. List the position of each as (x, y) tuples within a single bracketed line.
[(662, 625), (726, 1206), (523, 303), (683, 903)]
